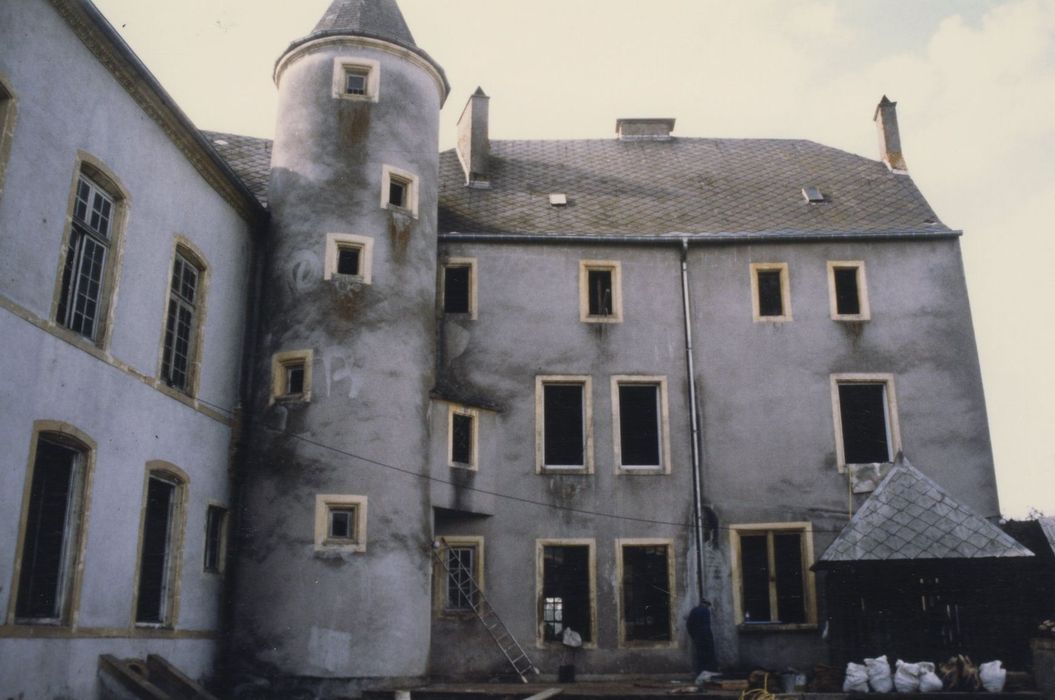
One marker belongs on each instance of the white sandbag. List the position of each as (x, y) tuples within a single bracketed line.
[(856, 679), (993, 676), (906, 677), (879, 674), (928, 679)]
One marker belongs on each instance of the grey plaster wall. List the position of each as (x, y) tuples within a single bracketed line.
[(366, 614), (766, 418), (68, 102)]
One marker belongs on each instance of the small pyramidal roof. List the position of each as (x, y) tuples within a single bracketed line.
[(910, 517), (380, 19)]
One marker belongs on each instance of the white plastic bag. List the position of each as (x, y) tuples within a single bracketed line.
[(928, 679), (906, 677), (879, 674), (993, 676), (856, 679)]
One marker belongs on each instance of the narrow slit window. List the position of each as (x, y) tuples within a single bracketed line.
[(566, 592), (462, 431), (457, 284), (865, 422), (156, 570), (215, 536), (49, 545), (646, 593), (564, 425)]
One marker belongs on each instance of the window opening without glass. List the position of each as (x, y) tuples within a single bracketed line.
[(349, 260), (84, 270), (639, 425), (600, 292), (865, 422), (564, 443), (566, 591), (462, 428), (847, 295), (457, 284), (770, 299), (155, 559), (772, 573), (397, 192), (49, 545), (180, 324), (646, 593)]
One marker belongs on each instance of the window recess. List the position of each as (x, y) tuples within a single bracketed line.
[(340, 523), (215, 539), (159, 551), (566, 591), (291, 375), (462, 437), (639, 414), (459, 287), (770, 292), (865, 426), (356, 79), (399, 190), (646, 589), (600, 293), (772, 581), (348, 257), (563, 433), (848, 291)]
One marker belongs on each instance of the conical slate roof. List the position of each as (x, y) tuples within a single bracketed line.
[(910, 517), (380, 19)]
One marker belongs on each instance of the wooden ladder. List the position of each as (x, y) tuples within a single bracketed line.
[(485, 612)]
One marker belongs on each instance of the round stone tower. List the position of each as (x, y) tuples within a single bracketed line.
[(334, 558)]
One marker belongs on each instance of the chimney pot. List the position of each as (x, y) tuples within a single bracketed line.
[(885, 118)]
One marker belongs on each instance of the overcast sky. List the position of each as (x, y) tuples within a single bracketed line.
[(974, 81)]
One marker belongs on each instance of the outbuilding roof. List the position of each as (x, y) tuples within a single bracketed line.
[(249, 158), (682, 185), (910, 517)]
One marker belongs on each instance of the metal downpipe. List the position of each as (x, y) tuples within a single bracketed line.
[(697, 485)]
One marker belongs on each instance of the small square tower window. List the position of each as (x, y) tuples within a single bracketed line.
[(349, 257), (770, 292), (340, 523), (291, 376), (399, 190), (356, 79)]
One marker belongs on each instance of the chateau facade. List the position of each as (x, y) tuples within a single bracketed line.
[(264, 411)]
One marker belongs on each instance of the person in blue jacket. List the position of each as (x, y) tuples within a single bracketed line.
[(699, 627)]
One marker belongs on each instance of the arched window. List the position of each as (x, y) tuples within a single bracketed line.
[(52, 528), (181, 343)]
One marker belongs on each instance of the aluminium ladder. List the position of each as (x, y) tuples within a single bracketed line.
[(485, 612)]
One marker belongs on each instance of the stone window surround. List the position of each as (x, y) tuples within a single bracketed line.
[(620, 543), (279, 362), (474, 448), (862, 290), (192, 254), (785, 291), (334, 243), (172, 474), (456, 262), (893, 428), (323, 505), (540, 546), (439, 578), (410, 181), (659, 381), (612, 266), (586, 382), (343, 65), (805, 528)]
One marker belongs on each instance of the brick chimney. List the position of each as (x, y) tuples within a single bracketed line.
[(474, 143), (889, 138), (644, 129)]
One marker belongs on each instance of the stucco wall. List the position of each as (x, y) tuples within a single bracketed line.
[(69, 105)]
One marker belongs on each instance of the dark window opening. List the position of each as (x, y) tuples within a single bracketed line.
[(342, 524), (461, 439), (294, 378), (154, 562), (179, 325), (461, 567), (772, 572), (563, 425), (847, 294), (754, 566), (348, 261), (639, 425), (397, 193), (863, 409), (566, 591), (355, 84), (456, 289), (215, 518), (600, 292), (47, 549), (770, 296), (646, 593)]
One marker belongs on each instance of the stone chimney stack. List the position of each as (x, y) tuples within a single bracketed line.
[(889, 138), (474, 143)]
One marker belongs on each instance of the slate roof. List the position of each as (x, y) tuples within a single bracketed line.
[(683, 185), (249, 158), (910, 517), (376, 18)]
